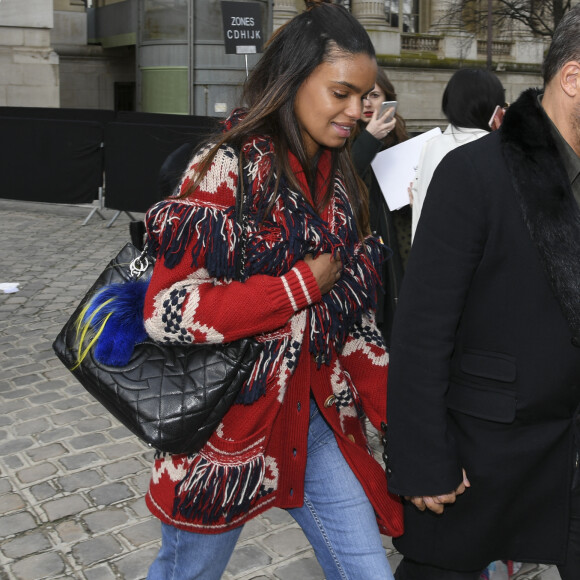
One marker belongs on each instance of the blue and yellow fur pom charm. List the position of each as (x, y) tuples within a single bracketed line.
[(111, 323)]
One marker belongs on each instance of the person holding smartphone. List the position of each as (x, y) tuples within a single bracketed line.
[(380, 127)]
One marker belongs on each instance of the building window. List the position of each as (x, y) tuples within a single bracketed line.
[(124, 96), (410, 11)]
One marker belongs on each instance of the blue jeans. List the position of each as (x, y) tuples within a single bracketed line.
[(337, 518)]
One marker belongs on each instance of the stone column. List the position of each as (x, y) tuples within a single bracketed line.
[(440, 18), (283, 10), (371, 14)]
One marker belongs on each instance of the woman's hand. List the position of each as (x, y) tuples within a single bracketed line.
[(379, 128), (326, 269), (436, 503)]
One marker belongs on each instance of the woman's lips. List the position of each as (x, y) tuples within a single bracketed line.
[(343, 130)]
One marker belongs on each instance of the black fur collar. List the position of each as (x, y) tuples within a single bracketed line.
[(549, 208)]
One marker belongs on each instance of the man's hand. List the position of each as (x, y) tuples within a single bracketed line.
[(436, 503)]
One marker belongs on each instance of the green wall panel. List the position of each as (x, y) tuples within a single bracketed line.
[(164, 90)]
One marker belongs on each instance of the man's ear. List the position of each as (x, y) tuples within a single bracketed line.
[(570, 78)]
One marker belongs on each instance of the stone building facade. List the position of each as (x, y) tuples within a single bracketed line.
[(168, 56), (29, 68)]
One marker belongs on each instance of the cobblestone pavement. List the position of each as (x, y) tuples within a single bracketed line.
[(72, 479)]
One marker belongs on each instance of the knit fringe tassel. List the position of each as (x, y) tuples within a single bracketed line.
[(211, 492), (291, 230), (264, 371), (346, 221), (213, 234), (343, 307)]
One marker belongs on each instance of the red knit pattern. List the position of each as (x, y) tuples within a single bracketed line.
[(249, 464)]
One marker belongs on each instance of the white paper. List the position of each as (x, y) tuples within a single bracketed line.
[(395, 168), (9, 287)]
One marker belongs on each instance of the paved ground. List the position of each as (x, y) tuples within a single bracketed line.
[(72, 479)]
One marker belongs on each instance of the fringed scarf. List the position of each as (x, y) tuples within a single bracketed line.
[(276, 239)]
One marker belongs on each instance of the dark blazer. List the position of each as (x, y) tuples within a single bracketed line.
[(485, 357)]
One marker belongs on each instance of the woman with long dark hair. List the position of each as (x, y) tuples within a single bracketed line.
[(376, 132), (295, 437)]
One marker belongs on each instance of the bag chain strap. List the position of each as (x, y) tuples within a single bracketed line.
[(242, 218), (139, 265)]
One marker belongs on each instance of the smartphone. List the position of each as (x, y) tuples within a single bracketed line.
[(387, 105), (497, 118)]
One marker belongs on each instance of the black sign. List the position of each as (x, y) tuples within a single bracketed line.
[(242, 27)]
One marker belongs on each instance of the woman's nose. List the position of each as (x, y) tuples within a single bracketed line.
[(354, 110)]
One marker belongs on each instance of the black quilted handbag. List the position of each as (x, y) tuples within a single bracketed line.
[(170, 396)]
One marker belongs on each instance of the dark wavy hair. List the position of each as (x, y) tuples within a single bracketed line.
[(471, 96), (565, 45), (322, 33)]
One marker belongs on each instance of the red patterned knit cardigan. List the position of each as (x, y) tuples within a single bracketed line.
[(326, 346)]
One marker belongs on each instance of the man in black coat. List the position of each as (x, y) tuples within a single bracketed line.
[(484, 383)]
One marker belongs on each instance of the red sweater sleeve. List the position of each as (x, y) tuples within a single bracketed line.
[(185, 304)]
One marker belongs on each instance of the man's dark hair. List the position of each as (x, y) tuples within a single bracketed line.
[(565, 44), (471, 96)]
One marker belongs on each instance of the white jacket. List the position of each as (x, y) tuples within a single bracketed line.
[(431, 155)]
